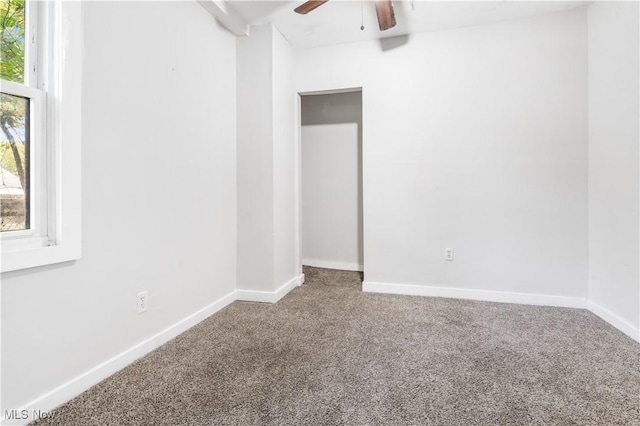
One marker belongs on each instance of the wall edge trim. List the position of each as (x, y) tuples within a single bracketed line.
[(329, 264), (74, 387), (270, 296), (473, 294), (614, 320)]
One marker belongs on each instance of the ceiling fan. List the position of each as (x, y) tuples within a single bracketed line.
[(384, 10)]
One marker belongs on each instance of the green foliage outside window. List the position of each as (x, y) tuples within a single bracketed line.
[(12, 108), (12, 15), (7, 161)]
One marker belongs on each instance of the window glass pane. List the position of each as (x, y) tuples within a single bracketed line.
[(12, 17), (14, 167)]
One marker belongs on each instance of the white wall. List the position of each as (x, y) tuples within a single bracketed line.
[(159, 197), (267, 173), (474, 139), (285, 161), (614, 222), (255, 160), (331, 142)]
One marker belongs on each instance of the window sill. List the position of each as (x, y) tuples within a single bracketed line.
[(31, 258)]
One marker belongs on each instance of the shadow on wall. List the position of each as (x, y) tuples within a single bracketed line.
[(402, 10), (335, 108), (391, 43)]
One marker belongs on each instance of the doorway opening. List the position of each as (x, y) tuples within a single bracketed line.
[(331, 180)]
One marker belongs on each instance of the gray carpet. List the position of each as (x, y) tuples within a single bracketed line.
[(329, 354)]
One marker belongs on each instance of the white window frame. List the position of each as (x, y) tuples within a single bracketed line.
[(56, 168), (37, 233)]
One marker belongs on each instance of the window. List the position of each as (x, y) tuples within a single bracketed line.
[(15, 176), (21, 122), (40, 52)]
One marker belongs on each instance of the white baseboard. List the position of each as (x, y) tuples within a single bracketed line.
[(270, 296), (505, 297), (614, 320), (79, 384), (344, 266), (484, 295)]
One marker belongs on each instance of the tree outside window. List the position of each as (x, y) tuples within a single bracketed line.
[(14, 118)]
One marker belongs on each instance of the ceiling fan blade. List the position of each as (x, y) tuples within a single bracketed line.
[(386, 16), (307, 7)]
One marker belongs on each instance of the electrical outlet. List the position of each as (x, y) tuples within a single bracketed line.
[(448, 254), (143, 298)]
